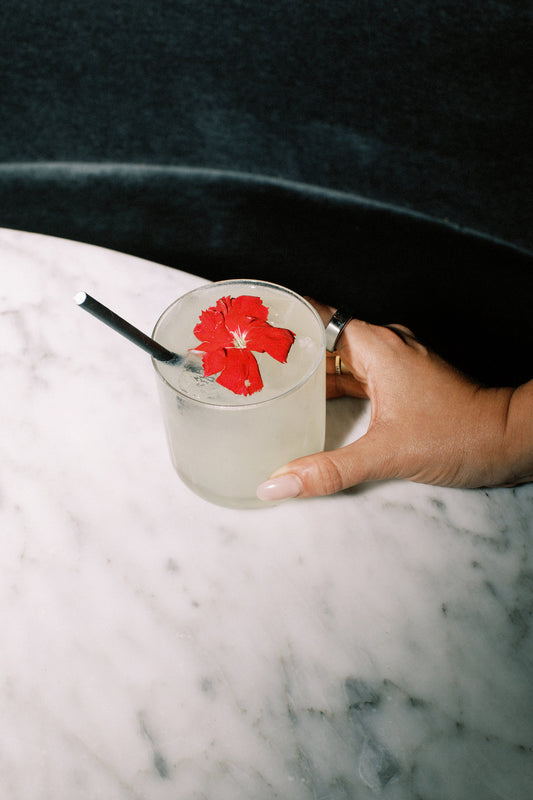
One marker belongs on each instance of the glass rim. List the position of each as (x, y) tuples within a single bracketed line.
[(235, 406)]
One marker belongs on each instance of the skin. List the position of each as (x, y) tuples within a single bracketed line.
[(429, 423)]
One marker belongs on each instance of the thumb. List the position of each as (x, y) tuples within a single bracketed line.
[(366, 459)]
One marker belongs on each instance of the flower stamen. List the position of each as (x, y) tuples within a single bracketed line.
[(239, 339)]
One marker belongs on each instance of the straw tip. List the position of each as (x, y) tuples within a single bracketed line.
[(80, 298)]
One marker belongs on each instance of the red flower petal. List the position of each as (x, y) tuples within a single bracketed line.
[(241, 372), (248, 306), (265, 338), (212, 327), (214, 361)]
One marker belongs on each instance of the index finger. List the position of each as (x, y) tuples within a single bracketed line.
[(354, 341)]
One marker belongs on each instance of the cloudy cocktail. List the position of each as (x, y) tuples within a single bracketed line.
[(250, 394)]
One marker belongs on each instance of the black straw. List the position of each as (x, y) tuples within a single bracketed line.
[(120, 325)]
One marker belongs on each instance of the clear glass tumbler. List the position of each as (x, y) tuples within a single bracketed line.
[(224, 444)]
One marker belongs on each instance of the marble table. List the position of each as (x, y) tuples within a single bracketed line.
[(373, 644)]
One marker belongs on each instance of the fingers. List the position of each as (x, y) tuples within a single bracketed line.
[(325, 311), (407, 336), (402, 331), (354, 345), (339, 379), (330, 472)]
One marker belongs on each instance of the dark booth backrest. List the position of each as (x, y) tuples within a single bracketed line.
[(375, 154)]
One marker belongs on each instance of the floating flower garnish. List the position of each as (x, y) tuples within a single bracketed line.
[(229, 331)]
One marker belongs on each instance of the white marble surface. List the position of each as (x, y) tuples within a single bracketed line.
[(375, 644)]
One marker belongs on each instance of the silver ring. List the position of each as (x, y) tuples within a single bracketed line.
[(335, 327)]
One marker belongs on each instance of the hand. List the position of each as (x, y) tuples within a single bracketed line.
[(429, 423)]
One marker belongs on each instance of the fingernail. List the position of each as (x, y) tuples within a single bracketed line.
[(280, 488)]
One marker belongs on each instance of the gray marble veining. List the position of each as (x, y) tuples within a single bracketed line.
[(375, 644)]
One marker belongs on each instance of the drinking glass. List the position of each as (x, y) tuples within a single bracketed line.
[(224, 444)]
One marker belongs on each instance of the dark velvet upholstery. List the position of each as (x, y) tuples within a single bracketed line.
[(373, 154)]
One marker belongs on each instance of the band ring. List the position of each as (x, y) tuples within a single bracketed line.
[(340, 369), (335, 327)]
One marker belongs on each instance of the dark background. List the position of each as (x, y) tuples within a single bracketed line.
[(373, 154)]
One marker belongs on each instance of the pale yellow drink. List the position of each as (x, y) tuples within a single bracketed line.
[(222, 444)]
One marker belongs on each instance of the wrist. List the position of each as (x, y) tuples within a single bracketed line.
[(485, 458), (517, 449)]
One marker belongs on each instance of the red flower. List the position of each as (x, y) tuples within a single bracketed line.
[(229, 331)]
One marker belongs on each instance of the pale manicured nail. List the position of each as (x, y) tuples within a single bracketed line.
[(280, 488)]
